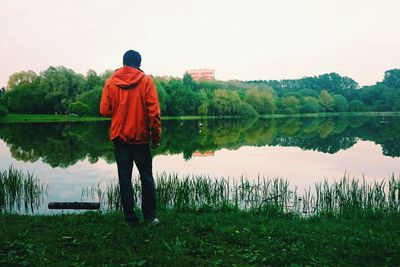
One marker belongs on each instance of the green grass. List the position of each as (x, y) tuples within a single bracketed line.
[(198, 192), (200, 239), (20, 118), (19, 190), (31, 118)]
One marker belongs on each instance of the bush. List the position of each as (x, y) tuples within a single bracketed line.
[(3, 111), (247, 110), (79, 108), (357, 105)]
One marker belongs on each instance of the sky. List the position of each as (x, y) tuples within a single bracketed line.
[(239, 39)]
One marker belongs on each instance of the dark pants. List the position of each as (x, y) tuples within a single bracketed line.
[(125, 155)]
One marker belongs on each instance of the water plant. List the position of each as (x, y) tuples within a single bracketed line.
[(20, 191), (200, 192)]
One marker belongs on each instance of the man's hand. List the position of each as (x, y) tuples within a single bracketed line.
[(155, 145)]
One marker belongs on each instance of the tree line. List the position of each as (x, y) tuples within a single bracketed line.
[(59, 90)]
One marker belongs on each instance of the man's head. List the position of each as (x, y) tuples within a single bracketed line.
[(132, 58)]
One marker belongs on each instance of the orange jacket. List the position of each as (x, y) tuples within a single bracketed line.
[(130, 98)]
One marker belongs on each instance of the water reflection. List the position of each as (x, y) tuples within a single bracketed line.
[(63, 145)]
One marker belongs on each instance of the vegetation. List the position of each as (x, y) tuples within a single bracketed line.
[(206, 222), (54, 90), (230, 238), (83, 140), (196, 192), (19, 190), (3, 111)]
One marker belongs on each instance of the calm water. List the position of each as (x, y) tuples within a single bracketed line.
[(69, 157)]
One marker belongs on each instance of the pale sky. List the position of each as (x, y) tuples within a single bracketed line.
[(240, 39)]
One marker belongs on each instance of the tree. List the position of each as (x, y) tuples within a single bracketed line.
[(204, 103), (93, 80), (92, 99), (290, 105), (341, 103), (357, 105), (18, 78), (182, 101), (188, 81), (261, 100), (225, 102), (247, 110), (79, 108), (3, 111), (326, 100), (162, 96), (310, 105), (61, 85), (392, 78)]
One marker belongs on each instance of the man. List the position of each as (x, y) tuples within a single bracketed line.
[(130, 98)]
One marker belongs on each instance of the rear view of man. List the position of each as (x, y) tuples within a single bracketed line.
[(130, 98)]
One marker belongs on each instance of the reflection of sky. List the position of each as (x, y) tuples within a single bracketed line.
[(301, 168)]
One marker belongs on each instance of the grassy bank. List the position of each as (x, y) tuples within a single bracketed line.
[(20, 118), (201, 239)]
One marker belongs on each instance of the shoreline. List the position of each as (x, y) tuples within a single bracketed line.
[(49, 118)]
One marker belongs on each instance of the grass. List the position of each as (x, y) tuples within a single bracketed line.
[(201, 239), (19, 190), (197, 192), (213, 222), (32, 118)]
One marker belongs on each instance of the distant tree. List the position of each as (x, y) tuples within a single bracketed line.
[(204, 103), (357, 105), (261, 100), (326, 100), (308, 92), (188, 81), (247, 110), (341, 103), (162, 96), (92, 99), (392, 78), (225, 102), (310, 104), (182, 101), (79, 108), (18, 78), (61, 85), (396, 106), (3, 111), (93, 80), (290, 105)]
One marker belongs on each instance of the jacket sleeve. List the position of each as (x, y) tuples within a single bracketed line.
[(105, 103), (153, 111)]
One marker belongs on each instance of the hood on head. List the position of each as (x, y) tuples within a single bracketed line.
[(127, 77)]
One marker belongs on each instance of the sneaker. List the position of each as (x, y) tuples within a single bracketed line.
[(153, 222)]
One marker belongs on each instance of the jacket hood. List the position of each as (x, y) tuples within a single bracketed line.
[(127, 77)]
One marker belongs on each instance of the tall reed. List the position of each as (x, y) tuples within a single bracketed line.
[(196, 192), (19, 190)]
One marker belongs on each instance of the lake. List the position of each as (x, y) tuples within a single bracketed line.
[(71, 156)]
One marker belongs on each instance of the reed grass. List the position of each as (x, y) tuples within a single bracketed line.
[(200, 192), (20, 191)]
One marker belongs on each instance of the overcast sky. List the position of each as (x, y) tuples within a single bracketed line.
[(240, 39)]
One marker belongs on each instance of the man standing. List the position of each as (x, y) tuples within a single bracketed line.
[(130, 98)]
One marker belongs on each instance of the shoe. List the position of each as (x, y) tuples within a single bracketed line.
[(153, 222)]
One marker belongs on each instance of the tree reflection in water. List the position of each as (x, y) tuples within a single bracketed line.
[(64, 144)]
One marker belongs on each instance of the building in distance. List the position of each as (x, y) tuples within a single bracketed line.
[(202, 74)]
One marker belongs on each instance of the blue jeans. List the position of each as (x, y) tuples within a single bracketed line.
[(126, 155)]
